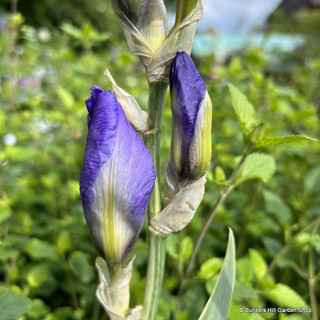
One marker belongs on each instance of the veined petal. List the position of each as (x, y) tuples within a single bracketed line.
[(191, 119), (117, 178)]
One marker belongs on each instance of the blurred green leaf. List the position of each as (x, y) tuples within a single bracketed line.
[(256, 166), (209, 268), (284, 296), (244, 291), (260, 267), (71, 30), (39, 249), (272, 141), (38, 274), (173, 246), (66, 97), (311, 180), (274, 204), (186, 248), (81, 267), (63, 313), (217, 307), (38, 309), (5, 210), (63, 242), (3, 292), (12, 305), (245, 270), (244, 110), (216, 178)]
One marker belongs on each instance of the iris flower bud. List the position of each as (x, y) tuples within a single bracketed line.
[(145, 26), (191, 120), (117, 178), (190, 147)]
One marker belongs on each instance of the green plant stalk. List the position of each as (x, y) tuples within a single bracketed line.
[(157, 244), (312, 278)]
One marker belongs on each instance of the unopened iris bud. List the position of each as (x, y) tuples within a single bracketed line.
[(145, 26), (191, 119), (190, 147), (117, 178)]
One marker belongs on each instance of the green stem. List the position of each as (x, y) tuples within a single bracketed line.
[(157, 244), (224, 193), (312, 279), (285, 249)]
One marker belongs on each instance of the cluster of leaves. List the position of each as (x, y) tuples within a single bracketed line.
[(46, 255), (276, 224)]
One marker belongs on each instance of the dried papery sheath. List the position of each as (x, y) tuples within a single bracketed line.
[(145, 25), (138, 118), (180, 210), (113, 291), (180, 38), (117, 178), (184, 8)]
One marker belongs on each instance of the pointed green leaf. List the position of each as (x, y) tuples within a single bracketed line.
[(217, 307), (256, 166), (3, 292), (38, 274), (272, 141), (186, 248), (284, 296), (12, 305), (5, 210), (277, 206), (244, 110), (259, 265), (209, 268), (219, 173), (40, 249)]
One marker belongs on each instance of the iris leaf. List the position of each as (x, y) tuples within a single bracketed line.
[(217, 307)]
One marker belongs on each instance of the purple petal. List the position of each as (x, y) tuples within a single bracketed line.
[(120, 181), (187, 94), (102, 123)]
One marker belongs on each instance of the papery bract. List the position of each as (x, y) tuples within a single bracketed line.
[(144, 24), (138, 118), (117, 177)]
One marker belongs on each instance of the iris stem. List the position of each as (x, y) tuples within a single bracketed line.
[(157, 244)]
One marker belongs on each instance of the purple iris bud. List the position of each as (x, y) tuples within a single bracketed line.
[(117, 178), (191, 120)]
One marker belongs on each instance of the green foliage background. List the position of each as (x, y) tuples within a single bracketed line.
[(46, 255)]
